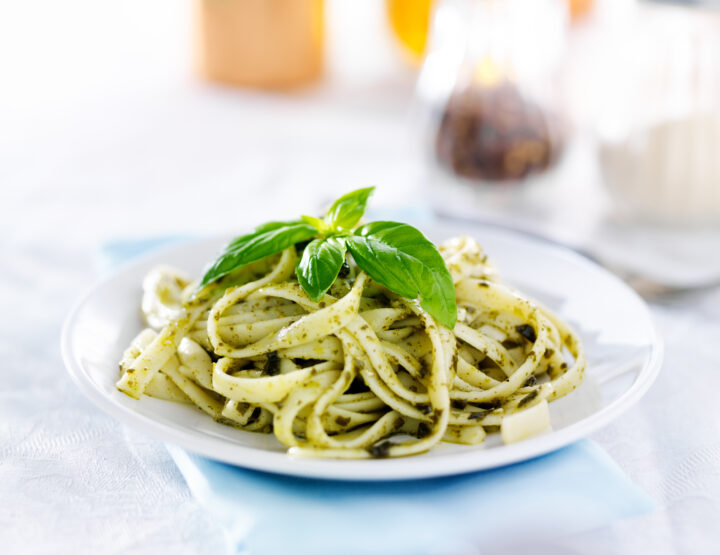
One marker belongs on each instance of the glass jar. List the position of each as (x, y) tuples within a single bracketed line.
[(490, 96), (658, 128), (410, 22)]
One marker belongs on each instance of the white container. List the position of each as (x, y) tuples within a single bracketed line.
[(659, 132)]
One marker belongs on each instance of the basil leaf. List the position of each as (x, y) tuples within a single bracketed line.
[(319, 266), (346, 211), (399, 257), (265, 240), (317, 223)]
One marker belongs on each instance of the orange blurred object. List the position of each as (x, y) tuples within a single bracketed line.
[(580, 8), (260, 43), (409, 20)]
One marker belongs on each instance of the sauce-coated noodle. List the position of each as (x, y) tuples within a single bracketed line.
[(362, 372)]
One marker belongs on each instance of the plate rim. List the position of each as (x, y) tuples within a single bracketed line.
[(400, 469)]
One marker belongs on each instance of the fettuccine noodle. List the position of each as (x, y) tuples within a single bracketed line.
[(362, 372)]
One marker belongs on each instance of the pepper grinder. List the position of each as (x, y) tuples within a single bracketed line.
[(489, 96)]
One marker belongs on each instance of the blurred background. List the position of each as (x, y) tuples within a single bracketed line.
[(593, 122), (130, 110)]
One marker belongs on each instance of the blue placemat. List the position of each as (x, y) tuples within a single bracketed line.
[(576, 488)]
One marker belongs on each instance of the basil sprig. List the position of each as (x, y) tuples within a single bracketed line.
[(346, 211), (395, 255), (400, 257)]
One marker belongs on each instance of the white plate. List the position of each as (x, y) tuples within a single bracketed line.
[(623, 348)]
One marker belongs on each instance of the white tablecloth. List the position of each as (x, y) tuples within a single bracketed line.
[(104, 134)]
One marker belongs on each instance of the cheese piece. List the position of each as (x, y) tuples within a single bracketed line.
[(525, 424)]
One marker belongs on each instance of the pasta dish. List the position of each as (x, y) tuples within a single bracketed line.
[(360, 371)]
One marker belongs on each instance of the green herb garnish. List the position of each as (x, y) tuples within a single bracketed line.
[(393, 254)]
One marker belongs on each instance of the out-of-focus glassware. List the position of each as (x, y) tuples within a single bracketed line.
[(490, 95), (659, 129), (410, 22), (260, 43)]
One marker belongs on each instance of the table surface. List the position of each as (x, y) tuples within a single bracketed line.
[(107, 138)]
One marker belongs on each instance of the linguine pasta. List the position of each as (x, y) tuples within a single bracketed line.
[(362, 372)]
